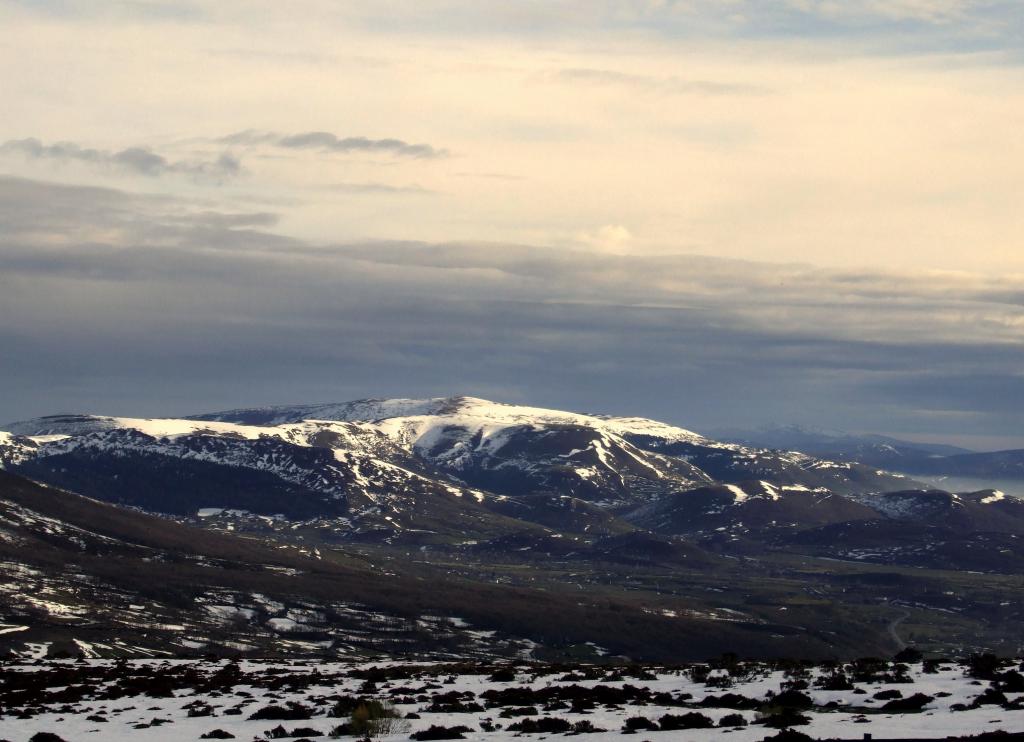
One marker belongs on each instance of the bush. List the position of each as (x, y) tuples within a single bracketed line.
[(990, 697), (730, 701), (1011, 681), (377, 719), (547, 725), (292, 712), (639, 724), (788, 717), (910, 654), (915, 702), (511, 713), (692, 720), (835, 681), (732, 720), (868, 669), (789, 735), (437, 732), (983, 666), (345, 705), (792, 699)]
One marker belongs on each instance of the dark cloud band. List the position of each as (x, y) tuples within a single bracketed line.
[(157, 306), (134, 160), (325, 141)]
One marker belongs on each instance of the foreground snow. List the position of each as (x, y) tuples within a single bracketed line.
[(233, 696)]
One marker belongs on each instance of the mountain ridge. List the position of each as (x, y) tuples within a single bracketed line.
[(442, 459), (627, 513)]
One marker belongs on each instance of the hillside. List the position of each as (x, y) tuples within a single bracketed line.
[(419, 526), (83, 576)]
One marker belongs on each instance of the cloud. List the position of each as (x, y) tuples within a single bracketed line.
[(950, 25), (132, 160), (930, 11), (613, 238), (133, 10), (324, 141), (670, 85), (45, 223), (121, 302), (378, 188)]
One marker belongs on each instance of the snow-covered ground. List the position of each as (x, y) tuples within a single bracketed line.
[(74, 712)]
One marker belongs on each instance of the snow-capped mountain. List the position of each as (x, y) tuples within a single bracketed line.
[(633, 518), (472, 436), (437, 467)]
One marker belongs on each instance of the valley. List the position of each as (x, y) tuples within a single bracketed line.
[(340, 530)]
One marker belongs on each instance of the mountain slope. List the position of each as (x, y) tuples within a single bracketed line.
[(84, 576), (417, 470), (751, 508), (352, 475), (468, 435)]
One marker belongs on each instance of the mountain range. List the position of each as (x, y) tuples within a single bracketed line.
[(504, 501), (415, 468), (893, 454)]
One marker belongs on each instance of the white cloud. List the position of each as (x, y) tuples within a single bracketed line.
[(933, 11), (610, 238)]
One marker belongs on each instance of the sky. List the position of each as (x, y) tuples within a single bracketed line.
[(725, 213)]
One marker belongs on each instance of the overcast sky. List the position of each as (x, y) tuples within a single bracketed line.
[(719, 213)]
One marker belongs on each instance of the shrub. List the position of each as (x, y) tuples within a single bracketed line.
[(835, 681), (692, 720), (792, 699), (438, 732), (732, 720), (983, 666), (910, 654), (915, 702), (1011, 681), (344, 706), (789, 735), (788, 717), (515, 711), (546, 725), (377, 719), (730, 701), (292, 712), (639, 724), (990, 697)]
